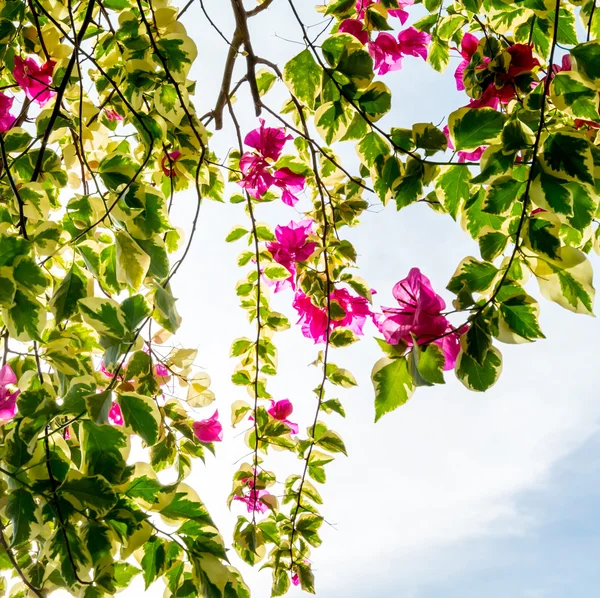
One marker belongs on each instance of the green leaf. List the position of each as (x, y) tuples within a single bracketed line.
[(153, 561), (134, 310), (29, 276), (491, 245), (375, 101), (393, 385), (542, 235), (471, 128), (331, 121), (372, 149), (429, 361), (477, 341), (588, 60), (104, 316), (453, 187), (472, 275), (141, 414), (73, 287), (409, 187), (306, 577), (501, 195), (303, 77), (479, 377), (571, 93), (308, 526), (328, 439), (520, 313), (551, 193), (567, 280), (132, 261), (167, 103), (237, 232), (104, 449), (26, 318), (21, 509), (568, 156), (88, 492)]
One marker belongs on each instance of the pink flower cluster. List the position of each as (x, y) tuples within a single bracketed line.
[(281, 410), (252, 497), (521, 61), (290, 247), (386, 50), (314, 320), (6, 118), (256, 166), (419, 318), (34, 79), (209, 430), (8, 398)]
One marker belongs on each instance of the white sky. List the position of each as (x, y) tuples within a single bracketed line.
[(449, 466)]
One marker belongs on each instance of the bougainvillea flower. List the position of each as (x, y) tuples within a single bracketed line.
[(281, 410), (579, 122), (488, 99), (8, 399), (167, 163), (161, 370), (267, 141), (253, 500), (413, 42), (257, 179), (291, 246), (356, 310), (290, 183), (115, 417), (521, 60), (400, 13), (6, 118), (34, 79), (565, 65), (419, 316), (209, 430), (356, 28), (295, 579), (113, 115), (468, 47), (386, 54)]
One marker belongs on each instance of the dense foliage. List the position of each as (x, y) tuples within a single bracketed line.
[(91, 162)]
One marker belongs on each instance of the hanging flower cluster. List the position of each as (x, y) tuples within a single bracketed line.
[(419, 318), (290, 247), (386, 50), (257, 166), (8, 398)]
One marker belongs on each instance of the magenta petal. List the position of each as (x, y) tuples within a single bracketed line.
[(413, 42), (115, 417), (268, 141), (209, 430), (386, 53), (468, 46), (399, 14), (356, 28), (473, 156), (281, 409), (8, 404), (450, 345), (7, 376), (458, 75), (34, 79)]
